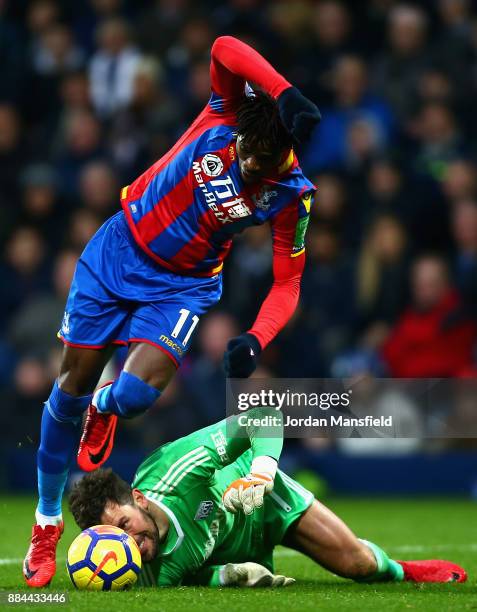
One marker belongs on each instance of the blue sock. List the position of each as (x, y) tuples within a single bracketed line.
[(127, 397), (60, 425)]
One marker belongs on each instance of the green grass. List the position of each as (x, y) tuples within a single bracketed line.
[(406, 529)]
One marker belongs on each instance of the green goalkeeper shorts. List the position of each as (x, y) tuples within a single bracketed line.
[(283, 506)]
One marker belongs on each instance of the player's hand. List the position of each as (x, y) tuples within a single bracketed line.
[(240, 358), (246, 494), (299, 115), (252, 575)]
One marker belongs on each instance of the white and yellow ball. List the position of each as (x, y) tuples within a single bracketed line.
[(103, 558)]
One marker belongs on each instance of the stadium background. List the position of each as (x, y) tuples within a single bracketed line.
[(93, 92)]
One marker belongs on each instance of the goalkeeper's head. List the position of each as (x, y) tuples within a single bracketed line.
[(263, 142), (103, 498)]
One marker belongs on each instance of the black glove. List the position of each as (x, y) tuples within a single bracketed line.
[(298, 114), (240, 358)]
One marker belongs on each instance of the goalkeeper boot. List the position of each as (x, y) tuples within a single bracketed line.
[(39, 565), (97, 439), (433, 570)]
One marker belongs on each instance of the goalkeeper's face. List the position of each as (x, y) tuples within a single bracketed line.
[(136, 522)]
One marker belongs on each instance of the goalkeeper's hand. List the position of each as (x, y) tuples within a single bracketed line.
[(247, 493), (252, 575), (298, 114)]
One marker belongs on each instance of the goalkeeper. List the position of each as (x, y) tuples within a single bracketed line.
[(209, 509)]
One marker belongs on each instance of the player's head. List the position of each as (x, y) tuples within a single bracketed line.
[(103, 498), (262, 139)]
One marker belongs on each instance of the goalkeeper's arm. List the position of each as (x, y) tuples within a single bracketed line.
[(247, 574)]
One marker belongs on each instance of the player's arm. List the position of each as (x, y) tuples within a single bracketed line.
[(288, 230), (233, 63)]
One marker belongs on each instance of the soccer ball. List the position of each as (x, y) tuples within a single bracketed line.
[(103, 558)]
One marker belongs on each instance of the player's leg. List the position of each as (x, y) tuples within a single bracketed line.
[(60, 428), (91, 321), (321, 535), (160, 333)]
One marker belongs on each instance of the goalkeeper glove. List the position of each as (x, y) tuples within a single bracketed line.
[(247, 493), (240, 358), (298, 114), (252, 575)]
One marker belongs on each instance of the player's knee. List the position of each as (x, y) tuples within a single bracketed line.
[(358, 562), (132, 395)]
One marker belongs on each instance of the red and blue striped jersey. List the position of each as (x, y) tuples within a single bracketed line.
[(184, 210)]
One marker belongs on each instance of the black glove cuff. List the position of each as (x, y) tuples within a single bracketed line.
[(254, 343)]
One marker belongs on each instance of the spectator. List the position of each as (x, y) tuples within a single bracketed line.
[(328, 146), (12, 153), (397, 72), (439, 140), (382, 266), (146, 129), (464, 230), (112, 67), (34, 327), (42, 205), (83, 224), (99, 189), (82, 145), (204, 379), (430, 339), (24, 271)]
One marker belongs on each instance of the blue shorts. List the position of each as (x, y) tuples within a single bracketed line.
[(120, 295)]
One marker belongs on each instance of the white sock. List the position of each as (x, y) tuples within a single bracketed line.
[(43, 520)]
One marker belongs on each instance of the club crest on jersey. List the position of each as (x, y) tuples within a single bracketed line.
[(204, 509), (212, 164), (263, 197)]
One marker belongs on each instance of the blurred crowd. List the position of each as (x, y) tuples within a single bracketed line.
[(93, 92)]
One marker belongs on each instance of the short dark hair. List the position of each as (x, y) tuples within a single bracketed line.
[(90, 495), (259, 122)]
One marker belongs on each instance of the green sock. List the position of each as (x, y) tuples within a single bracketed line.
[(388, 570)]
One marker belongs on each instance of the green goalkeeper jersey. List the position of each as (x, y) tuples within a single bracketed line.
[(187, 478)]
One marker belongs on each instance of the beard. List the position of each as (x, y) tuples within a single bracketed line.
[(152, 532)]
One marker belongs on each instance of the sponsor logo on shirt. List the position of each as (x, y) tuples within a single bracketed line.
[(221, 196), (220, 443), (204, 509), (212, 164)]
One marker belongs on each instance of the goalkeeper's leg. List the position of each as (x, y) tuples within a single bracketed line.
[(321, 535), (324, 537)]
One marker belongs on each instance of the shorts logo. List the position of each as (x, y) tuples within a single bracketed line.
[(65, 325), (204, 509), (172, 345), (212, 164)]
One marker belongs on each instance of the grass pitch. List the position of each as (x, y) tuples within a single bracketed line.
[(406, 529)]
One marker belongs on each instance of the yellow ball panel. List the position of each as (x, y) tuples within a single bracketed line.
[(105, 529), (79, 546), (83, 579), (110, 555), (124, 581)]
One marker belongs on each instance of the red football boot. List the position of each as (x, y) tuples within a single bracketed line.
[(97, 439), (433, 570), (39, 565)]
